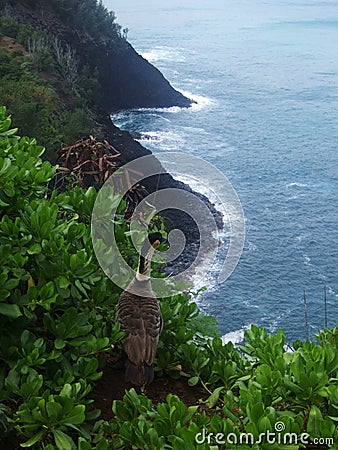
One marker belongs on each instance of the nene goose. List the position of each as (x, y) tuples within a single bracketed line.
[(140, 317)]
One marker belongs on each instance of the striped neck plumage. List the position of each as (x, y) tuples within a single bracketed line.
[(143, 270)]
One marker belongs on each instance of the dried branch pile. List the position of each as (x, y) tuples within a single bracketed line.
[(90, 163), (87, 163)]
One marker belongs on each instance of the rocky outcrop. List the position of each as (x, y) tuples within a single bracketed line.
[(129, 150), (126, 79), (130, 82)]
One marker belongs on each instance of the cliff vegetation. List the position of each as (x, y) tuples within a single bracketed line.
[(66, 65), (59, 336)]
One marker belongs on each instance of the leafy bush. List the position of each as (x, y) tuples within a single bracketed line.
[(170, 425), (52, 295), (293, 397), (43, 89), (57, 314)]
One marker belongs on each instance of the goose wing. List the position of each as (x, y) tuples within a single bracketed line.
[(141, 320)]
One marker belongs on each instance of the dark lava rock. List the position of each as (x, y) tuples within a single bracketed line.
[(130, 82)]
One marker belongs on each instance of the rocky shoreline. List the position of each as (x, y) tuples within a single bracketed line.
[(125, 80), (130, 149)]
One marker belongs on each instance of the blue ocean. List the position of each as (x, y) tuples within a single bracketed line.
[(264, 74)]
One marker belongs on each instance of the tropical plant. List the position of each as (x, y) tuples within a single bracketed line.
[(51, 297), (57, 317)]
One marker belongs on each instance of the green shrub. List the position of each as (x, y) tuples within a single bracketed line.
[(57, 315), (51, 297)]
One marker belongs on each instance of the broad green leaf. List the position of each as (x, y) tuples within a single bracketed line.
[(59, 344), (3, 204), (63, 282), (264, 425), (32, 440), (213, 399), (62, 440), (102, 445), (34, 249), (54, 410), (10, 310), (314, 422), (4, 294), (66, 390), (193, 381), (84, 445), (76, 417), (256, 412), (293, 387), (335, 418)]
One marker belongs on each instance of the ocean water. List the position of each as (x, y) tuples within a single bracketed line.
[(264, 74)]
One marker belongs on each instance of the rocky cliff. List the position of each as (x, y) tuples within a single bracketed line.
[(126, 80), (130, 81), (123, 80)]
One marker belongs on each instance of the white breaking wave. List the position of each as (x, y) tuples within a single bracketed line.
[(171, 109), (201, 103), (330, 291), (164, 140), (296, 184), (210, 269), (151, 136), (164, 53), (302, 237), (201, 100), (236, 337), (252, 247), (307, 260), (205, 190)]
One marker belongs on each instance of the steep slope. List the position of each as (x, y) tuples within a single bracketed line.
[(75, 68), (126, 80), (140, 83)]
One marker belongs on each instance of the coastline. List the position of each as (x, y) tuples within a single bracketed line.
[(124, 80), (131, 149)]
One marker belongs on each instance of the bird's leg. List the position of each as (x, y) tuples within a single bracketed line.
[(143, 389)]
